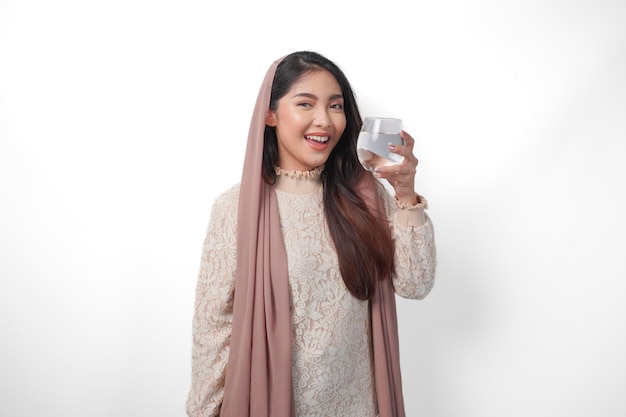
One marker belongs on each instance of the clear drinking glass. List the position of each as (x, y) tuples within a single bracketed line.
[(373, 143)]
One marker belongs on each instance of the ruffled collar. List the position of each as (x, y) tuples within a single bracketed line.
[(310, 174), (298, 182)]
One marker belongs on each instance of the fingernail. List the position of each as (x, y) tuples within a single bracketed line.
[(392, 146)]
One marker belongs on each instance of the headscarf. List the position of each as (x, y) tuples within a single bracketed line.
[(258, 373)]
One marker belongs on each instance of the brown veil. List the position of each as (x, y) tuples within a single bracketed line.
[(258, 374)]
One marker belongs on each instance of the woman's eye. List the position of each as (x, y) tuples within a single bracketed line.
[(305, 104), (337, 106)]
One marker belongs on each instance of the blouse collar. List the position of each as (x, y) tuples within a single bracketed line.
[(298, 182)]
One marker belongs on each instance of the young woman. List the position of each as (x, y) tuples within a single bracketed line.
[(295, 312)]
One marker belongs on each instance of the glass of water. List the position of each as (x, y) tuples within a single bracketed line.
[(374, 139)]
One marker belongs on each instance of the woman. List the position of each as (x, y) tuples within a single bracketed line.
[(295, 311)]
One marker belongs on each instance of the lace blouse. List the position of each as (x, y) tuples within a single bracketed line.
[(332, 367)]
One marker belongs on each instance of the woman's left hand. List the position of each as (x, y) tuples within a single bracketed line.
[(402, 176)]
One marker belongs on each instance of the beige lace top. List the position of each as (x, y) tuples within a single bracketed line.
[(331, 350)]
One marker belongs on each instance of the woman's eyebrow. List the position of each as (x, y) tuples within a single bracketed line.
[(313, 96)]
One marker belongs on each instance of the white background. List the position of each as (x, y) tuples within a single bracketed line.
[(121, 121)]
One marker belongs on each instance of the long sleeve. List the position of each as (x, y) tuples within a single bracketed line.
[(415, 251), (212, 319)]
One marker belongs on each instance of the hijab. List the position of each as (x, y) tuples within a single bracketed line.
[(258, 374)]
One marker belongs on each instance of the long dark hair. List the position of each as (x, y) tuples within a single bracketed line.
[(363, 242)]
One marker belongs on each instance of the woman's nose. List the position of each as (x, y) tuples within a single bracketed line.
[(321, 119)]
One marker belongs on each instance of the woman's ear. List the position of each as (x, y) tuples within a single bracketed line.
[(270, 119)]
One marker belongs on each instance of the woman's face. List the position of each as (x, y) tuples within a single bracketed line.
[(309, 121)]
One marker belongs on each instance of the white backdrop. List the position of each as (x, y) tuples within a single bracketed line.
[(121, 121)]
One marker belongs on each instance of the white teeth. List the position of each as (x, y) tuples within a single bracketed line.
[(318, 138)]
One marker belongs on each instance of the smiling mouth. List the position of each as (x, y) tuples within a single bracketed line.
[(320, 139)]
